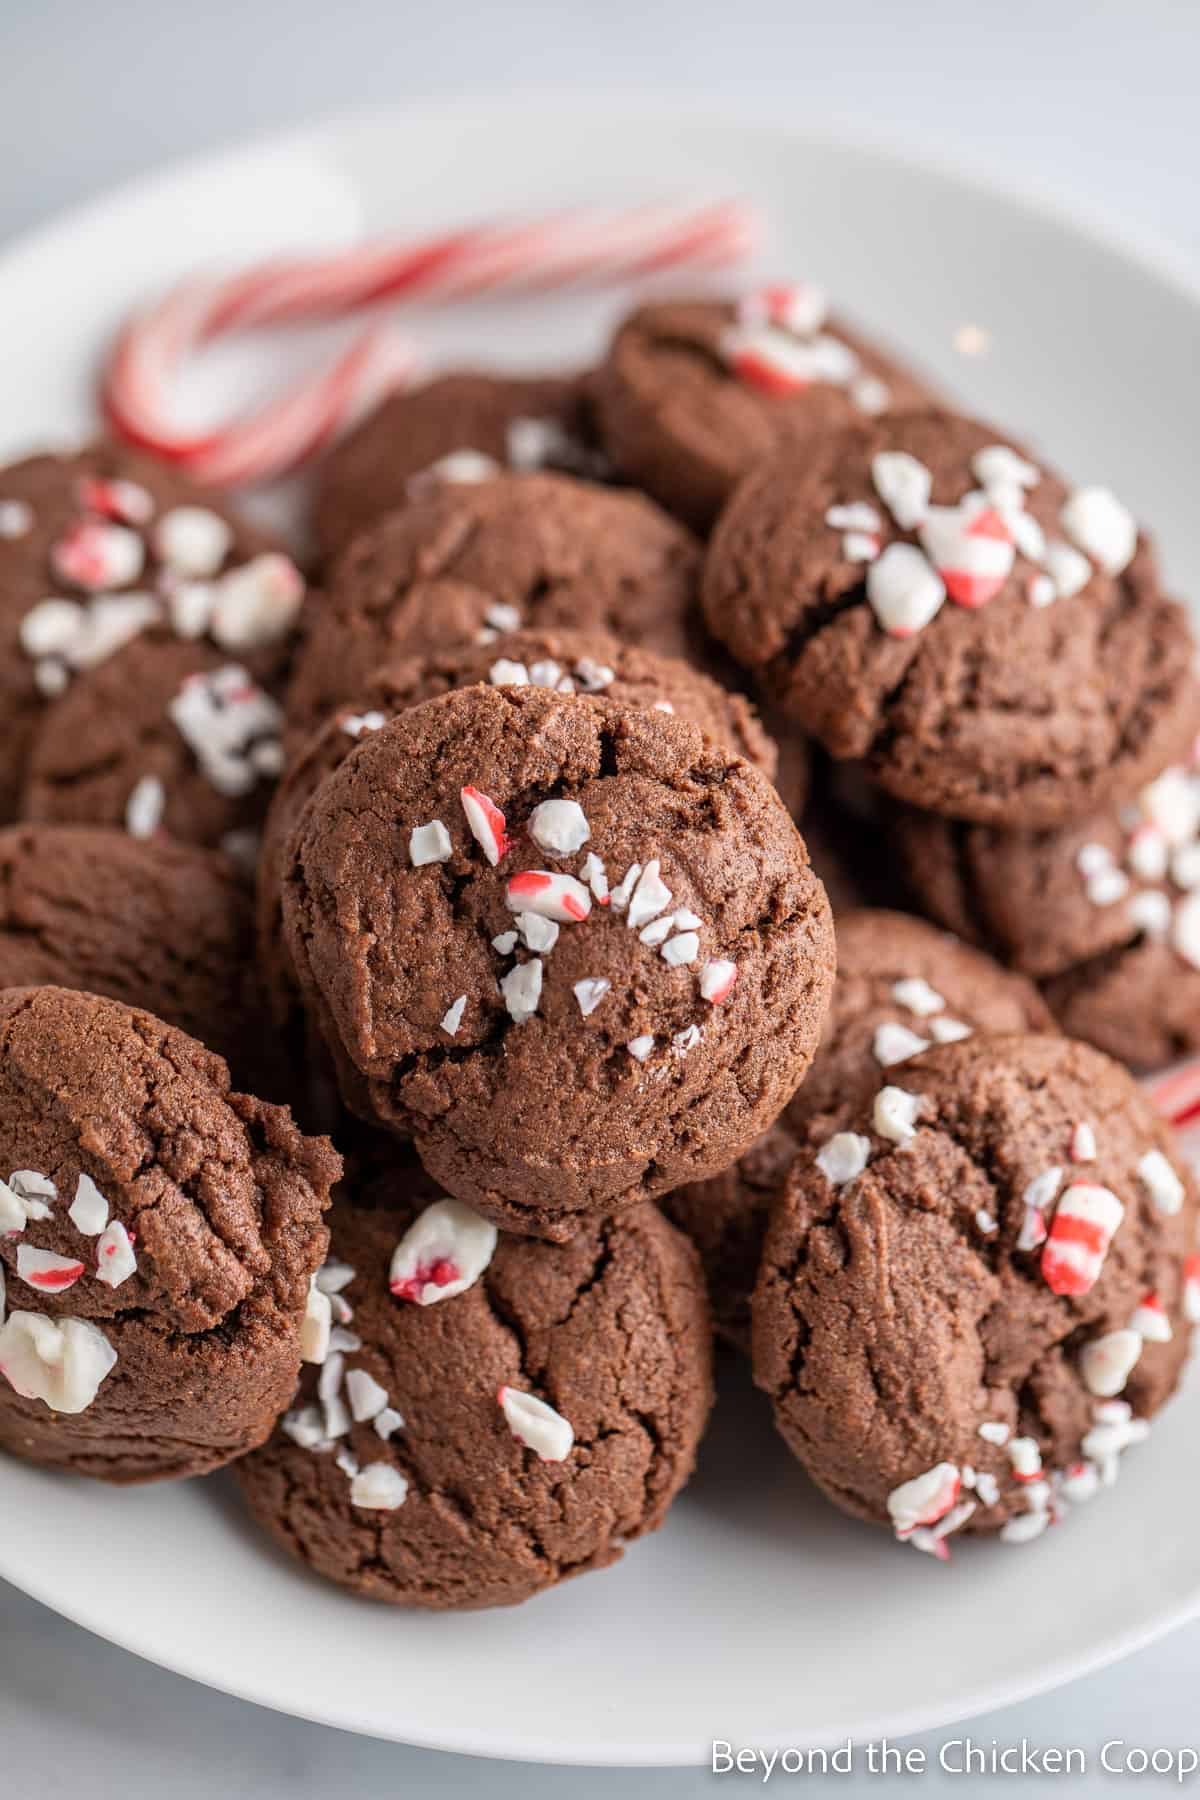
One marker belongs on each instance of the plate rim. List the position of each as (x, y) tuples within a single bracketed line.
[(1153, 254)]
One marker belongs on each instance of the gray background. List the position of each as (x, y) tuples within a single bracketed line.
[(1090, 103)]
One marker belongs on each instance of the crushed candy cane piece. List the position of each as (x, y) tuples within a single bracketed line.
[(648, 898), (1107, 886), (1185, 930), (1080, 1483), (107, 625), (686, 1040), (444, 1252), (1149, 854), (115, 1257), (1067, 568), (1107, 1362), (486, 824), (895, 1043), (904, 485), (993, 1431), (387, 1423), (504, 943), (799, 307), (257, 603), (1024, 1527), (145, 807), (316, 1325), (1026, 1458), (915, 995), (859, 516), (948, 1031), (97, 555), (379, 1488), (88, 1211), (986, 1222), (559, 826), (333, 1276), (593, 677), (16, 519), (640, 1047), (682, 949), (972, 552), (222, 715), (552, 895), (460, 467), (1083, 1227), (59, 1361), (904, 590), (894, 1114), (999, 464), (356, 725), (925, 1499), (43, 1269), (1151, 913), (1095, 520), (717, 978), (304, 1426), (593, 872), (537, 933), (1171, 803), (192, 540), (367, 1399), (1083, 1143), (1041, 591), (590, 992), (619, 896), (453, 1015), (871, 395), (506, 673), (860, 547), (536, 1425), (1161, 1182), (844, 1157), (429, 844), (1150, 1320), (51, 627)]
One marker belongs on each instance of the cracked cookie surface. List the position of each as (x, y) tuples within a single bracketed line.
[(610, 1330), (221, 1199), (601, 1067)]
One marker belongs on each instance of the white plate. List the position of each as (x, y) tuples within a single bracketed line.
[(758, 1614)]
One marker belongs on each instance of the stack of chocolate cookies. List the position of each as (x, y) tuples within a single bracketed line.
[(474, 862)]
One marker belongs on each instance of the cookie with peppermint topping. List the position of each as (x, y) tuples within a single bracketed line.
[(901, 988), (1104, 911), (484, 1423), (467, 562), (574, 949), (977, 1289), (694, 392), (102, 547), (159, 1234), (559, 661), (460, 427), (992, 644)]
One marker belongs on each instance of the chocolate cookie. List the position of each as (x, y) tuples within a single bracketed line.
[(505, 1413), (459, 427), (977, 1290), (901, 987), (104, 546), (464, 562), (157, 925), (1102, 910), (560, 660), (574, 949), (907, 592), (695, 392), (163, 735), (160, 1236)]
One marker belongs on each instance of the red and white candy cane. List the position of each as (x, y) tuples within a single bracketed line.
[(566, 249), (1177, 1095)]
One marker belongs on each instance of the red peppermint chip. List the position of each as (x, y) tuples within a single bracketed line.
[(127, 502), (972, 551), (486, 823), (550, 895), (96, 556), (43, 1269)]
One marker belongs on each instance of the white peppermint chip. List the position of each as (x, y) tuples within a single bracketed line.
[(895, 1043), (189, 607), (304, 1426), (504, 943), (1151, 913), (1107, 1362), (844, 1157), (59, 1361), (444, 1252), (1041, 1191), (347, 1463), (537, 1425), (1068, 570), (916, 996), (502, 617), (592, 871), (657, 931), (894, 1113), (986, 1222), (13, 1216), (992, 1431), (33, 1187), (504, 673), (988, 1488), (51, 627), (329, 1382), (256, 604), (925, 1499), (43, 1269), (716, 979), (333, 1276), (619, 897), (378, 1488), (388, 1422), (366, 1397), (316, 1325), (1105, 530), (1171, 803), (16, 518), (50, 678), (1029, 538), (537, 933), (997, 463), (858, 547), (1080, 1483), (452, 1017), (459, 466), (109, 623), (1161, 1182), (115, 1259), (684, 919), (683, 948), (88, 1211), (1185, 930), (640, 1047), (559, 826), (856, 517), (1107, 886), (347, 1342), (649, 897), (1185, 866), (429, 844), (337, 1416), (1148, 854), (1024, 1528), (145, 807), (355, 725), (904, 590), (593, 677), (1093, 859), (1025, 1455), (871, 395), (948, 1031), (192, 540), (590, 993), (687, 1039), (904, 485), (546, 673), (663, 706)]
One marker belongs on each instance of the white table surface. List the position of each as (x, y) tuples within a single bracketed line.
[(1092, 101)]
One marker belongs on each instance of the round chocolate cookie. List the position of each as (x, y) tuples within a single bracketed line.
[(574, 949), (563, 661), (163, 734), (462, 563), (459, 427), (695, 392), (907, 592), (159, 1237), (540, 1406), (977, 1289), (104, 546), (901, 987), (157, 925), (1104, 911)]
